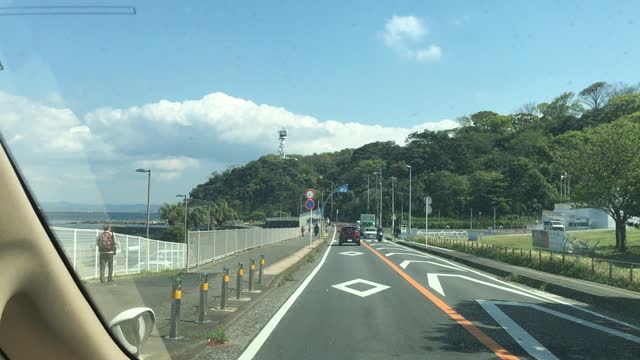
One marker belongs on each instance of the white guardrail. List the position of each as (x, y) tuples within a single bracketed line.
[(134, 254), (445, 234), (207, 246)]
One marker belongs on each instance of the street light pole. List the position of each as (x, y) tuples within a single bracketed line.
[(380, 198), (409, 166), (471, 222), (367, 194), (393, 204), (426, 221), (379, 205), (186, 229), (148, 171), (332, 188), (494, 218)]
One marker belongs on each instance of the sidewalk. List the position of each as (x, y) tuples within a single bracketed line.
[(614, 299), (154, 291)]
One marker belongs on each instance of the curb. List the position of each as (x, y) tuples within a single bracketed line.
[(620, 305), (189, 351)]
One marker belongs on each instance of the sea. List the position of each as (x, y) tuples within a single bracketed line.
[(95, 220)]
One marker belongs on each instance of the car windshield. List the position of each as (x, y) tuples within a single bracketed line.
[(203, 159)]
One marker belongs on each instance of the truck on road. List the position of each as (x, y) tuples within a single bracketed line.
[(368, 226)]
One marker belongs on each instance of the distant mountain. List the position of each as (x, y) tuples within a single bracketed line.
[(68, 206)]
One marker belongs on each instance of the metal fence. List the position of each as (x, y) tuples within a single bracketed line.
[(207, 246), (135, 254)]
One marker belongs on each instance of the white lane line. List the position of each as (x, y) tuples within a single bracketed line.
[(388, 248), (546, 296), (446, 266), (431, 246), (590, 324), (435, 276), (434, 283), (524, 339), (412, 254), (262, 337), (406, 263), (385, 243)]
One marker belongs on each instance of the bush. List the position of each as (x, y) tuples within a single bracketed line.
[(174, 233)]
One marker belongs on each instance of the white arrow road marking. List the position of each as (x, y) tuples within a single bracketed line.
[(421, 255), (406, 263), (435, 278), (524, 339), (545, 297), (590, 324), (434, 283)]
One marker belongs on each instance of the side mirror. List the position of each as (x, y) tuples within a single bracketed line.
[(132, 327)]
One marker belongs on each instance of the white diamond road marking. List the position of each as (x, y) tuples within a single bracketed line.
[(351, 253), (345, 287)]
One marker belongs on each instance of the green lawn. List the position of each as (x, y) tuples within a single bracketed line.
[(606, 247)]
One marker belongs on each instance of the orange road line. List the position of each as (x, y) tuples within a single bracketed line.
[(496, 348)]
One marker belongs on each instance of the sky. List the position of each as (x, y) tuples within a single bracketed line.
[(189, 89)]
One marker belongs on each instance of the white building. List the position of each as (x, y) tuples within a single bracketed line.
[(579, 218)]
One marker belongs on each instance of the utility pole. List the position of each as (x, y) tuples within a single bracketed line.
[(409, 166)]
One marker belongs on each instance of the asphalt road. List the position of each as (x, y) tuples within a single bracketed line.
[(385, 301)]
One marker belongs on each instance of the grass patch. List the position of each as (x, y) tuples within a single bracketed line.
[(215, 337), (163, 273), (287, 276), (606, 248), (311, 258)]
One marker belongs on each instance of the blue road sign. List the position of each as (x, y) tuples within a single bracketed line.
[(309, 204)]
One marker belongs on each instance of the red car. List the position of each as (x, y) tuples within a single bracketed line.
[(349, 234)]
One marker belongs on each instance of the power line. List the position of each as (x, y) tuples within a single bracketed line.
[(67, 10)]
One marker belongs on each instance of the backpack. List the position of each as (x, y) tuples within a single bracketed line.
[(105, 242)]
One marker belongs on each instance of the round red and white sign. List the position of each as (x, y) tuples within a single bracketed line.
[(310, 194)]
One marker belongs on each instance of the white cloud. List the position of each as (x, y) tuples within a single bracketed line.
[(45, 129), (54, 98), (400, 29), (210, 126), (182, 141), (431, 53), (170, 167), (404, 35)]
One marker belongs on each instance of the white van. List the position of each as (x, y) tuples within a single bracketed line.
[(553, 225)]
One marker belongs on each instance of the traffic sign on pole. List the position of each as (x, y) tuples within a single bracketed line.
[(310, 194), (309, 204), (429, 209), (428, 200)]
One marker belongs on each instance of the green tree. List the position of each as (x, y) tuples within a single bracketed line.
[(487, 190), (172, 213), (174, 233), (605, 166), (595, 96), (620, 106)]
